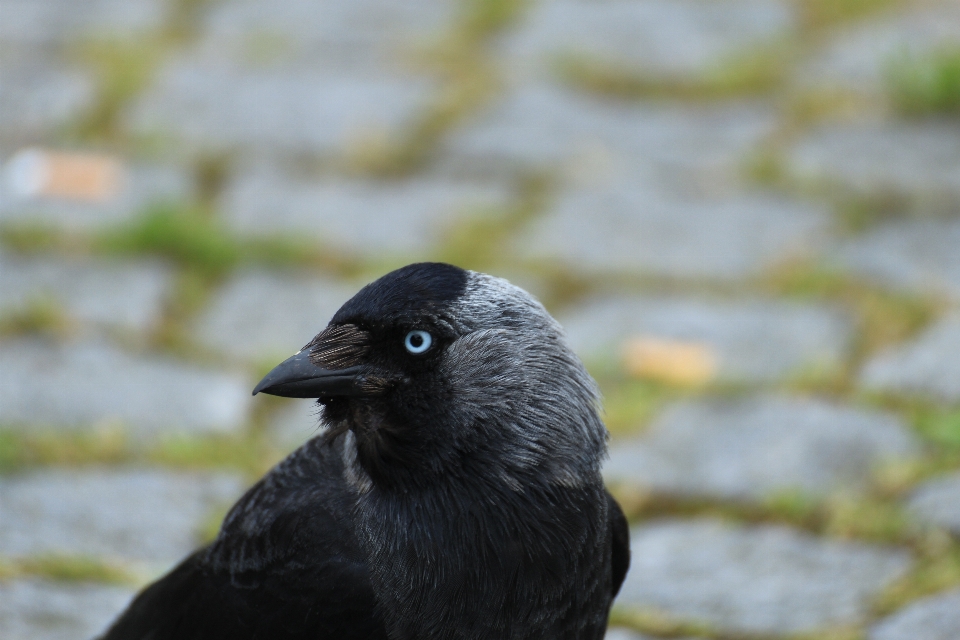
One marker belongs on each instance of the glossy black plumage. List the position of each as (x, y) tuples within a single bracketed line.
[(453, 495), (300, 575)]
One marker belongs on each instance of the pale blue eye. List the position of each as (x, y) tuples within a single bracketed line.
[(417, 341)]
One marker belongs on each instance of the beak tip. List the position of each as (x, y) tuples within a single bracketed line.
[(297, 377)]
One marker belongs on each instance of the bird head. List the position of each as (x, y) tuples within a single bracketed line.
[(436, 372)]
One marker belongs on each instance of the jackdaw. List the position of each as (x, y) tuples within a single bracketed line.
[(455, 492)]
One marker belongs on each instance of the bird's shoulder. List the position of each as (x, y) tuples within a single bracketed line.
[(302, 508), (286, 564)]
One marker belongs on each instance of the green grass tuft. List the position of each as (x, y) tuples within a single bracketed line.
[(184, 235), (940, 426), (196, 240), (926, 85)]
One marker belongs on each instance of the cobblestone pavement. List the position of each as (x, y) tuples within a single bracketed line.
[(745, 212)]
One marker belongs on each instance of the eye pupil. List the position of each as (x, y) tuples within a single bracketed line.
[(417, 341)]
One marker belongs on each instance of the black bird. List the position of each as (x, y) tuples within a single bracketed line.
[(455, 493)]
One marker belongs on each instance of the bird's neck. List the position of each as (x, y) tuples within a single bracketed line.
[(479, 553)]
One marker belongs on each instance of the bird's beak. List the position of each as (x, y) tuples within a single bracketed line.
[(298, 377)]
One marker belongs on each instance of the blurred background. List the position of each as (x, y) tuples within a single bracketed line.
[(746, 213)]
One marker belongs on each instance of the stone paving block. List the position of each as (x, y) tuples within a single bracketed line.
[(938, 502), (401, 218), (221, 108), (128, 295), (751, 449), (149, 516), (632, 229), (136, 515), (759, 580), (93, 383), (909, 255), (927, 366), (337, 33), (860, 56), (40, 23), (933, 618), (753, 340), (539, 126), (917, 160), (260, 314), (32, 609), (140, 186), (656, 37), (37, 101)]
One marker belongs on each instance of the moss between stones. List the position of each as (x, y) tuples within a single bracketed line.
[(123, 69), (816, 15), (39, 316), (926, 85), (250, 453), (751, 72), (883, 318), (64, 568), (468, 80)]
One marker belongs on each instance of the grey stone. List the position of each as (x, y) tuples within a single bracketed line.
[(539, 126), (655, 37), (917, 160), (37, 101), (110, 293), (933, 618), (140, 187), (633, 229), (295, 423), (33, 609), (860, 57), (261, 314), (620, 633), (750, 449), (401, 218), (938, 502), (759, 580), (149, 516), (221, 108), (40, 23), (335, 33), (91, 383), (752, 340), (927, 366), (909, 255)]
